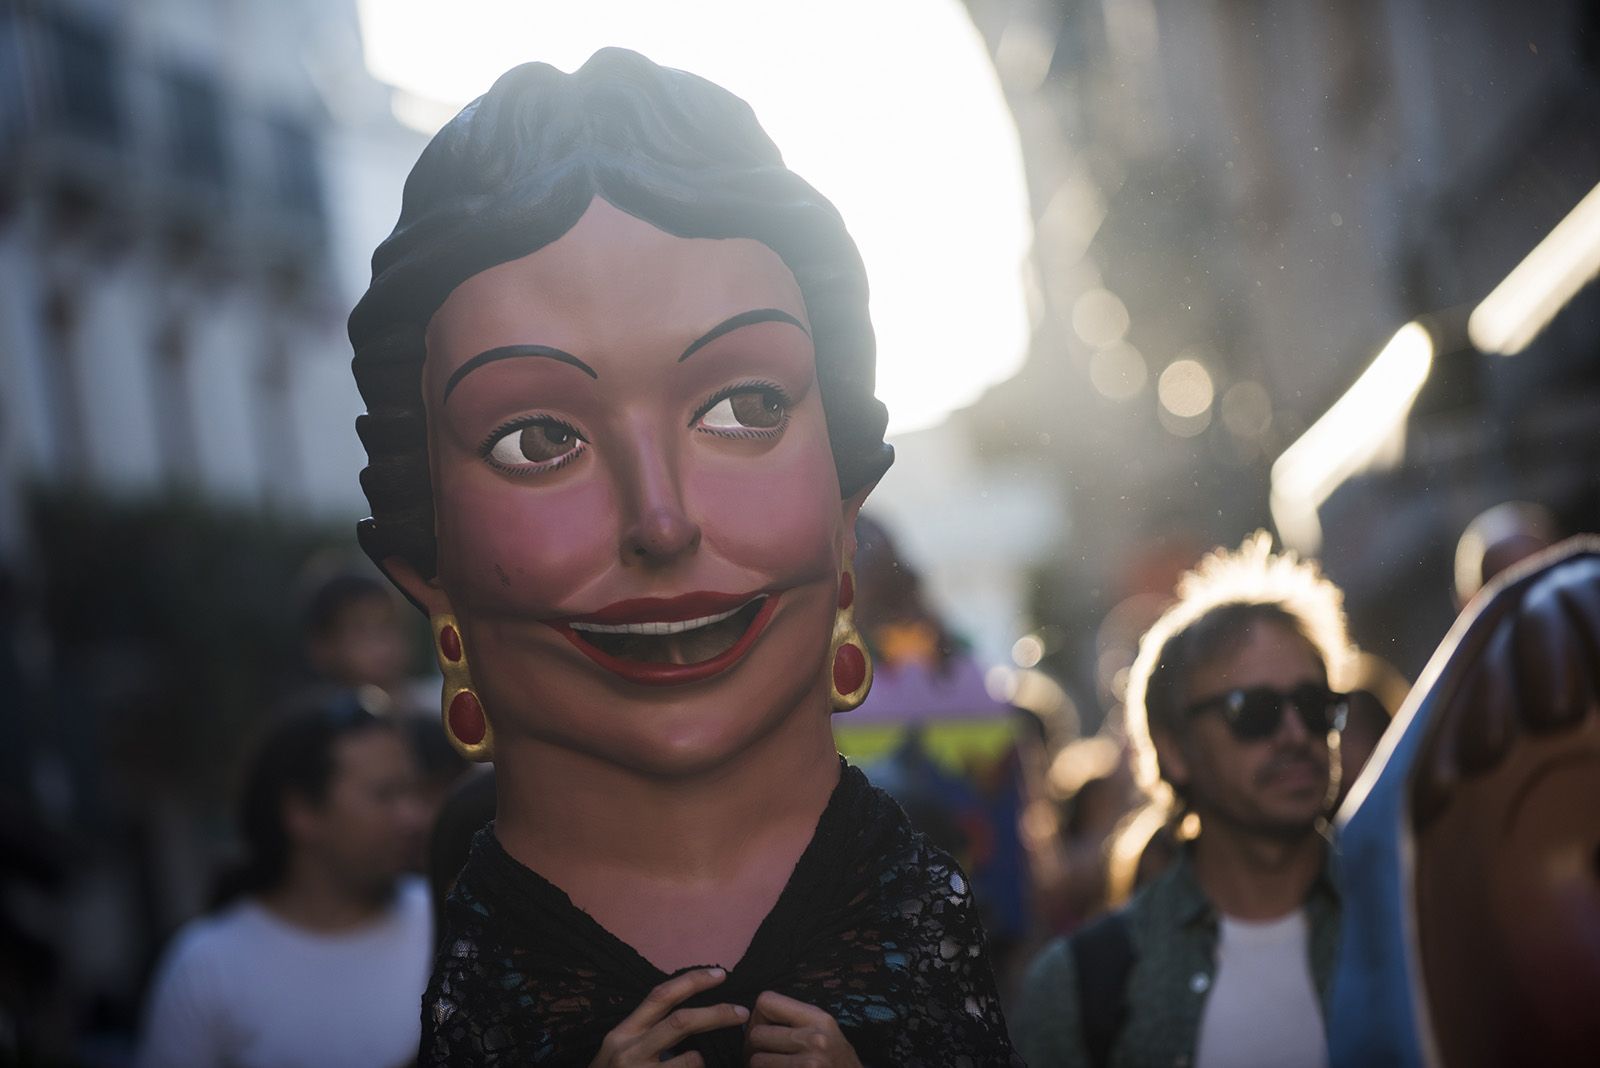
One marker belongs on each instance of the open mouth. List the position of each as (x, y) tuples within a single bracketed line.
[(663, 643)]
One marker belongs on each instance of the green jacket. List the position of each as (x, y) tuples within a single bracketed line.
[(1173, 929)]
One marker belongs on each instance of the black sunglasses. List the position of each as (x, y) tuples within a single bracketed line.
[(1255, 713)]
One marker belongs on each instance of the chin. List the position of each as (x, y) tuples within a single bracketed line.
[(1293, 821), (689, 736), (667, 756), (685, 760)]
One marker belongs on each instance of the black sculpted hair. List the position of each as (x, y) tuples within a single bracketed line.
[(515, 170)]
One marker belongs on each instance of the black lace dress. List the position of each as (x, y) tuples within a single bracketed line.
[(875, 926)]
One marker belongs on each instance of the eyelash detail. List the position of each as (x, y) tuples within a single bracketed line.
[(744, 433), (523, 422), (531, 468)]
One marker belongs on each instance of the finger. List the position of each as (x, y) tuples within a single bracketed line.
[(786, 1060), (666, 997), (679, 1024), (771, 1060), (776, 1038), (773, 1007), (685, 1060)]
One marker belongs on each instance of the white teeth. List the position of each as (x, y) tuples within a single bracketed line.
[(661, 628)]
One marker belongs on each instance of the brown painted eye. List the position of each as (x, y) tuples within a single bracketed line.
[(535, 444), (539, 443), (748, 409)]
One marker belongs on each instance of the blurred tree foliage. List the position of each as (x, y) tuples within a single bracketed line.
[(173, 629)]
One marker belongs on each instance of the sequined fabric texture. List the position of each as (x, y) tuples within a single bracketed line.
[(875, 925)]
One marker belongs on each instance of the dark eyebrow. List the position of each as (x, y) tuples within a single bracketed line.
[(759, 315), (506, 352)]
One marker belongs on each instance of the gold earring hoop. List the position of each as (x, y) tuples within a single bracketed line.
[(465, 723), (849, 663)]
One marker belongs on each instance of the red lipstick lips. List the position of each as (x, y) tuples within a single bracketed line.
[(665, 616)]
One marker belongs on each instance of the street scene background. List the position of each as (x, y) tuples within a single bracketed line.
[(1325, 270)]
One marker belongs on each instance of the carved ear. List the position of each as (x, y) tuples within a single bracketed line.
[(1170, 756), (426, 594)]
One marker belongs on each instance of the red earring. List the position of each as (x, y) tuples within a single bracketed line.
[(850, 666), (465, 723)]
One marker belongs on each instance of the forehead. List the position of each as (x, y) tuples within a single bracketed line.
[(1267, 652), (369, 754), (374, 606), (613, 283)]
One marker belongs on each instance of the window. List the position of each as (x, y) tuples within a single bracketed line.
[(298, 183), (85, 76), (194, 117)]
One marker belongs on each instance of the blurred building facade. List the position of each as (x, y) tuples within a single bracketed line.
[(189, 190), (185, 185), (1238, 204)]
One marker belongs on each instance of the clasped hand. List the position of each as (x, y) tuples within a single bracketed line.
[(781, 1033)]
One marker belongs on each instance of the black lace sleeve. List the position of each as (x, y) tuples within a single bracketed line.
[(499, 998), (452, 1033), (905, 967)]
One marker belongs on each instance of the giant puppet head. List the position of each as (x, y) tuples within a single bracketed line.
[(618, 370), (1471, 844)]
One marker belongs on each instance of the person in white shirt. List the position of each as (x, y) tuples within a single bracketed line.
[(1223, 960), (323, 958)]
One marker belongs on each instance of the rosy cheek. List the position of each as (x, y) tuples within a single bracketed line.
[(781, 517), (504, 545)]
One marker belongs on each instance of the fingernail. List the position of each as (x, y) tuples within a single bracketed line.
[(741, 1012), (718, 972)]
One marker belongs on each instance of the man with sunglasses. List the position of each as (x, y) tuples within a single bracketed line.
[(1225, 959)]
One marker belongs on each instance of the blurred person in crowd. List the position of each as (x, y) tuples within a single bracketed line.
[(1048, 720), (1093, 777), (934, 737), (893, 614), (355, 636), (322, 959), (1225, 958), (1496, 539), (1377, 690), (357, 642), (1142, 847)]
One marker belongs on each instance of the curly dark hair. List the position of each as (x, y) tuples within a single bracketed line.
[(515, 170)]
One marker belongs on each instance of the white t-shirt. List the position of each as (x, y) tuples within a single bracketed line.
[(1263, 1010), (245, 989)]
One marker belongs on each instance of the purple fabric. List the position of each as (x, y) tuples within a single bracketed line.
[(913, 693)]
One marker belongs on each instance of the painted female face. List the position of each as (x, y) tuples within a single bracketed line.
[(638, 515)]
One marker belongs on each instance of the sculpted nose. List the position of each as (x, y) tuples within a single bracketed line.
[(659, 534), (657, 529)]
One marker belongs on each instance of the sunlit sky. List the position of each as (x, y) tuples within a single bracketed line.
[(891, 108)]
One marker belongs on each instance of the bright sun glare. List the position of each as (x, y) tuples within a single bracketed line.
[(891, 108)]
